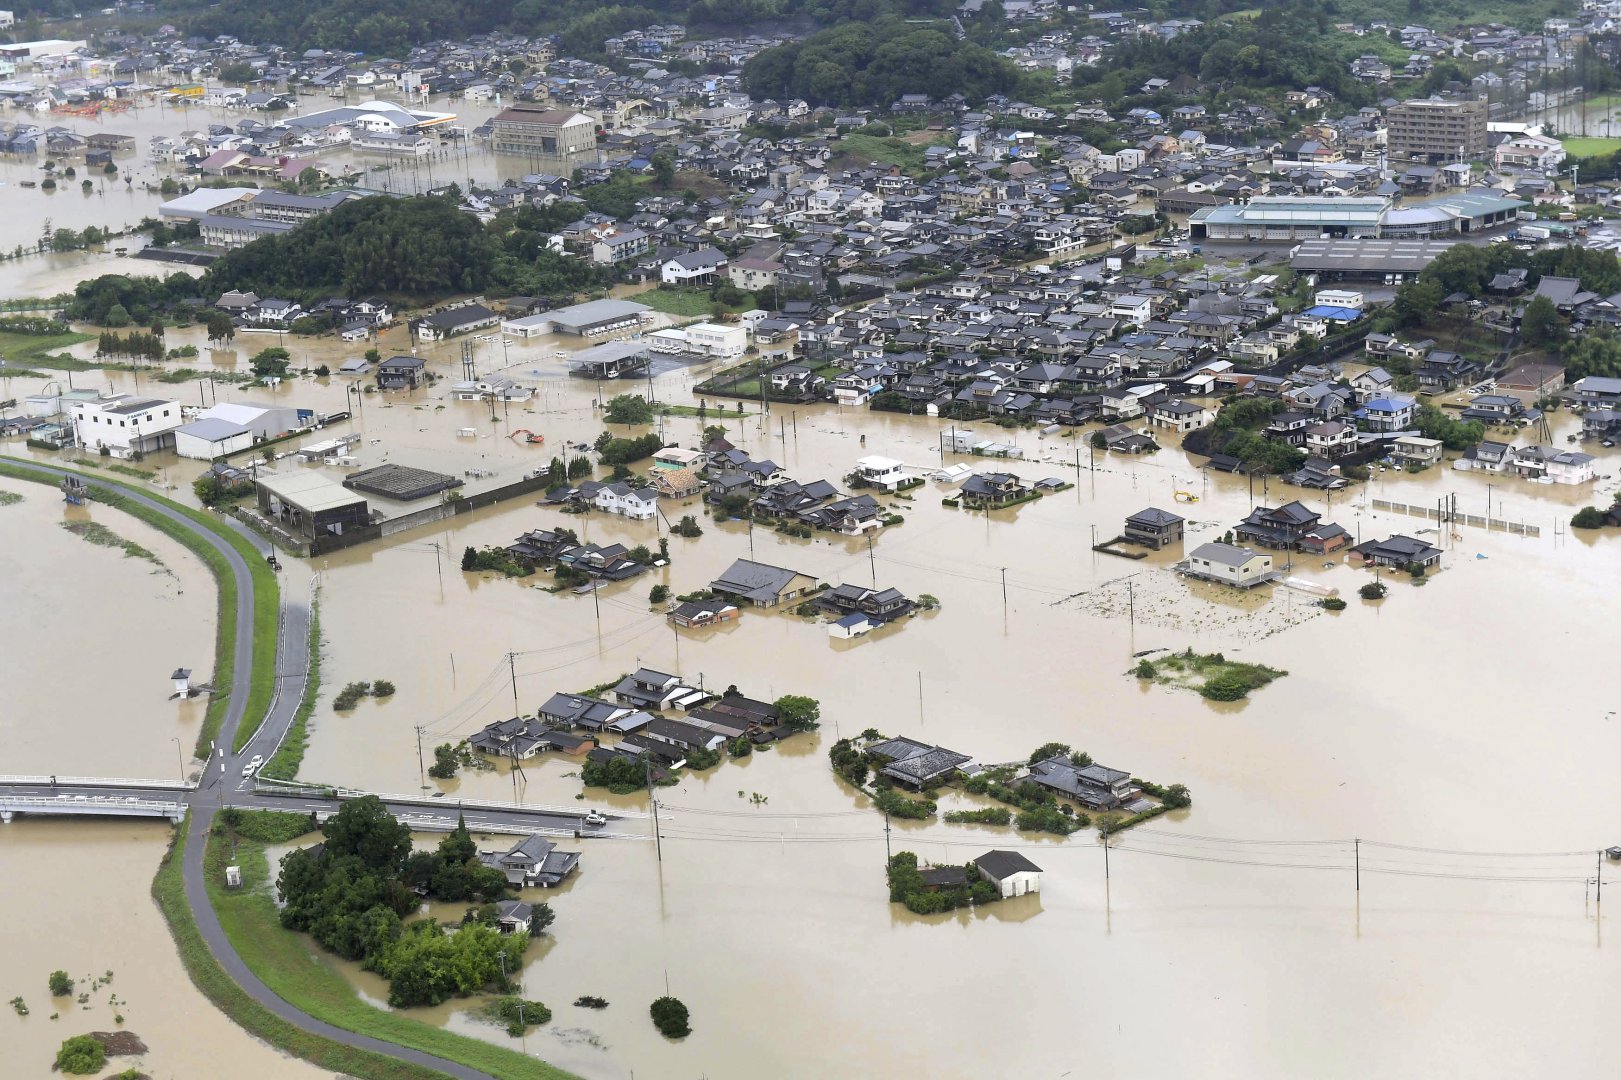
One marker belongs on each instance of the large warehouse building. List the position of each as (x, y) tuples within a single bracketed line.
[(1280, 219), (1388, 261), (595, 318)]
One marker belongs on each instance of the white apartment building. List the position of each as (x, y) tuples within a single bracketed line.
[(124, 425)]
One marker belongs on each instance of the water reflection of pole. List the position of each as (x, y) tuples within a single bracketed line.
[(653, 797)]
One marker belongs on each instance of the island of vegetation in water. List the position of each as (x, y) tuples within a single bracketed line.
[(351, 892), (1211, 674)]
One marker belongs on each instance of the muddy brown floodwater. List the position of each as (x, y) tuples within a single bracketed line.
[(77, 897), (119, 202), (1472, 714)]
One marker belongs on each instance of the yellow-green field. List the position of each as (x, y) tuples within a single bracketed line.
[(1591, 147)]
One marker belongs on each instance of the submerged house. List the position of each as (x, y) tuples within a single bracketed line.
[(762, 584), (1399, 551), (532, 861), (916, 764), (1097, 787)]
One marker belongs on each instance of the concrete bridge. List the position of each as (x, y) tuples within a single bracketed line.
[(92, 796), (124, 797)]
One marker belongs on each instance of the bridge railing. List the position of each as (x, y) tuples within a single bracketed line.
[(445, 822), (70, 802), (295, 790), (98, 781)]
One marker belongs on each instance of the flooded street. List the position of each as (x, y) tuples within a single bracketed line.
[(1460, 716)]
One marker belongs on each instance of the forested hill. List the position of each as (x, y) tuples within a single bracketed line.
[(1435, 14), (875, 63), (391, 27), (418, 248)]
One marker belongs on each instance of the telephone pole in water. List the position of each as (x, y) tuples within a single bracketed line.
[(422, 777)]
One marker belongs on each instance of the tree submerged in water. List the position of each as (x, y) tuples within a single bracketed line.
[(670, 1017)]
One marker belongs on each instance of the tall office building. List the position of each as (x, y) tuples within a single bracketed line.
[(1437, 130)]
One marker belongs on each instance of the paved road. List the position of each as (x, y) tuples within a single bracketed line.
[(292, 652)]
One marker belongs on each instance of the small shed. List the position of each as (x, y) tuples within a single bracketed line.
[(850, 626), (182, 682), (1010, 872)]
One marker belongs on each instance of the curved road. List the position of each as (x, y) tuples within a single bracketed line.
[(291, 658)]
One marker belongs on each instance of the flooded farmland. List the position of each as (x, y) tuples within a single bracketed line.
[(1462, 716)]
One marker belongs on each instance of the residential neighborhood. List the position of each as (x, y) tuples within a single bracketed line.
[(512, 496)]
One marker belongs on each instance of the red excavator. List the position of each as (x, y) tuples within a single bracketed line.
[(529, 437)]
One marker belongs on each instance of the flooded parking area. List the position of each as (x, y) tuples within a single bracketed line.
[(1463, 719)]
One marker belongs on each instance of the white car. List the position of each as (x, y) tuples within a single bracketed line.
[(253, 766), (594, 818)]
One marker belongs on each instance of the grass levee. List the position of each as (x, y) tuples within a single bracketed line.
[(168, 889), (292, 967), (35, 351)]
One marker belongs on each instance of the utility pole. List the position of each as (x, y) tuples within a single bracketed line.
[(421, 768), (512, 669), (1004, 592), (1358, 849), (1105, 855), (596, 602), (1131, 602), (887, 854), (437, 565), (873, 560), (1598, 880)]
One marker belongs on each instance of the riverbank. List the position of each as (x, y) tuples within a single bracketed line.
[(266, 592), (291, 966), (168, 889)]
